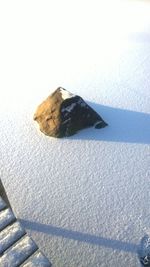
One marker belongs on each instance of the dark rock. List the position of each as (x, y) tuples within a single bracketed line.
[(144, 251), (63, 114)]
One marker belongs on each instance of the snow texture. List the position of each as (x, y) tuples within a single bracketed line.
[(73, 105), (65, 94), (69, 108), (84, 199)]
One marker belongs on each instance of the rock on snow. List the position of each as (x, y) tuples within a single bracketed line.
[(63, 114)]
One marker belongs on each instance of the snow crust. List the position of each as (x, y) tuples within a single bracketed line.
[(72, 106), (69, 108), (66, 94), (84, 199)]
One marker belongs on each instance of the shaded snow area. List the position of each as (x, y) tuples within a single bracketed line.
[(84, 199)]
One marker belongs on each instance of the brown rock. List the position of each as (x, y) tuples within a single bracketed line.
[(63, 114)]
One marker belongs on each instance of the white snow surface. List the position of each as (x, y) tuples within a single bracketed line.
[(66, 94), (84, 199)]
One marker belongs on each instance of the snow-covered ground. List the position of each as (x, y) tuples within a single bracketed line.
[(84, 199)]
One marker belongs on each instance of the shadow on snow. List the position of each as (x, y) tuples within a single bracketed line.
[(123, 126), (81, 237)]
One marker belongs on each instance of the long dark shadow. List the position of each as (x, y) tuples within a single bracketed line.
[(81, 237), (123, 126)]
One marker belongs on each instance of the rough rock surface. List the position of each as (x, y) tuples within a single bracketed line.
[(144, 251), (63, 114)]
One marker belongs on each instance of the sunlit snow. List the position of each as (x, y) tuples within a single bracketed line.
[(83, 199)]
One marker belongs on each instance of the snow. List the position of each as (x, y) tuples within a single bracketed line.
[(69, 108), (65, 94), (73, 105), (83, 199)]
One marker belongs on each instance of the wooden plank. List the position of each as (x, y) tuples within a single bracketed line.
[(10, 235), (3, 193), (38, 260), (18, 253), (2, 204), (16, 247), (6, 217)]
